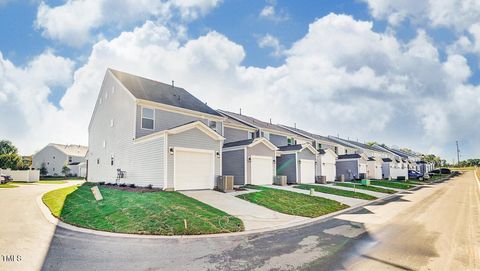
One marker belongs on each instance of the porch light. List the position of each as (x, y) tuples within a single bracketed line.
[(171, 151), (274, 161), (249, 159), (218, 154)]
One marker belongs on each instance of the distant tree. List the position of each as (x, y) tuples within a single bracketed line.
[(6, 147), (43, 170), (66, 170), (407, 150), (12, 161), (373, 143)]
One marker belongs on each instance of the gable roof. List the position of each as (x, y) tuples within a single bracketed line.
[(349, 156), (71, 150), (260, 124), (308, 134), (180, 129), (150, 90), (229, 121), (238, 143), (251, 143), (290, 148)]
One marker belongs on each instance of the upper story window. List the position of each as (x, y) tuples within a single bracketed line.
[(54, 157), (148, 118), (213, 125), (289, 141), (336, 150), (70, 159), (266, 135), (251, 135), (319, 146), (346, 151)]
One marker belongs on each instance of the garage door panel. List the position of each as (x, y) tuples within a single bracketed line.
[(307, 171), (194, 170), (261, 170)]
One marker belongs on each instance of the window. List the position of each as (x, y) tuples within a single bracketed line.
[(53, 169), (111, 123), (266, 135), (336, 150), (346, 152), (251, 135), (148, 118), (54, 157), (70, 159), (98, 161), (111, 160), (212, 124), (289, 141), (319, 146)]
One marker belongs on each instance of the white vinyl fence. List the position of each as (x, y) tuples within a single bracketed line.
[(22, 175)]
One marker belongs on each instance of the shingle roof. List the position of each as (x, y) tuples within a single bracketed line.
[(371, 159), (260, 124), (71, 150), (321, 151), (349, 156), (387, 160), (150, 90), (238, 143), (232, 121), (290, 148)]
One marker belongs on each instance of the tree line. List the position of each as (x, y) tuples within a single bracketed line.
[(9, 157)]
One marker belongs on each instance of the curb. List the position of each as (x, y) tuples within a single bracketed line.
[(57, 222)]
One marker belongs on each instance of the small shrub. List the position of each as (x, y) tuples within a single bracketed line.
[(101, 183), (131, 185), (149, 186), (123, 185)]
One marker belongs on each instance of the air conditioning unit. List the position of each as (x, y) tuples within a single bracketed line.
[(321, 179), (341, 178), (280, 180), (225, 183)]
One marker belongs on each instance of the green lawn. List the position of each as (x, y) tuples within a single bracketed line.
[(7, 185), (61, 178), (334, 191), (392, 184), (162, 213), (369, 188), (292, 203), (436, 177)]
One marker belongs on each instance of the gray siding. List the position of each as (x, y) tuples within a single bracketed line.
[(259, 150), (195, 139), (278, 140), (287, 165), (233, 163), (232, 134), (306, 154), (165, 120), (348, 168), (53, 158)]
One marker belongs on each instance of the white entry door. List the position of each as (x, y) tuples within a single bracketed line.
[(329, 170), (194, 169), (261, 170), (307, 171)]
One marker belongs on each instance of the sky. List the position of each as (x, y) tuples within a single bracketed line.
[(400, 72)]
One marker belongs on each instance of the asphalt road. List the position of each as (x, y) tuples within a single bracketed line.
[(433, 228)]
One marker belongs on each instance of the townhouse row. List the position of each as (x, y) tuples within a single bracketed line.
[(145, 132)]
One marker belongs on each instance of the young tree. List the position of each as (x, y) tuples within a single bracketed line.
[(66, 170), (12, 161), (6, 147), (43, 170)]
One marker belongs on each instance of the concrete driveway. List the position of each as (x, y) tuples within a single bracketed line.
[(254, 217), (24, 232)]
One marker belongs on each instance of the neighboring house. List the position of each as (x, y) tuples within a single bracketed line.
[(276, 134), (297, 162), (55, 156), (250, 161), (144, 132), (235, 130), (352, 166), (327, 164), (396, 165)]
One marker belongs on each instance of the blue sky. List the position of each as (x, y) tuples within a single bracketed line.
[(400, 96)]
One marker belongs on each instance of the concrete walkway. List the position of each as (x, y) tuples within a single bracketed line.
[(345, 200), (254, 216), (368, 192)]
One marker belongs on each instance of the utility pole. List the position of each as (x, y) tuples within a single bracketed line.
[(458, 154)]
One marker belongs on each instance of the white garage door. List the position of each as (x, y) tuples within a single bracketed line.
[(307, 171), (194, 169), (329, 171), (262, 170)]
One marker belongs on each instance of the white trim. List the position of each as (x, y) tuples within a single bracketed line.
[(180, 110), (141, 118), (220, 170), (135, 121), (149, 137), (236, 148), (265, 141), (238, 127), (175, 149), (165, 166), (331, 151), (247, 179), (197, 124), (296, 168)]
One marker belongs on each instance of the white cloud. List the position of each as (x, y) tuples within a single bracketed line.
[(74, 22), (270, 12), (456, 14), (341, 77), (269, 41)]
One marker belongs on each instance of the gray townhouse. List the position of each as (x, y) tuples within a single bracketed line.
[(55, 156), (145, 132), (394, 166), (295, 157)]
